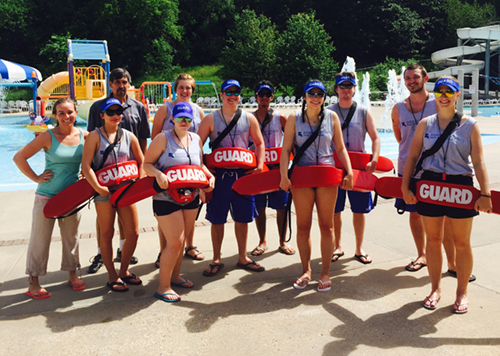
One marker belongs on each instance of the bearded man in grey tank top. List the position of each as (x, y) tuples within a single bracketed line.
[(405, 117)]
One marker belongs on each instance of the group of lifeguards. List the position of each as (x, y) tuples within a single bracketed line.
[(243, 144)]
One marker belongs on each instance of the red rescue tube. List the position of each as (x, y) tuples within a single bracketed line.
[(273, 155), (389, 187), (117, 173), (68, 199), (359, 160), (447, 194), (302, 177), (180, 177), (230, 157)]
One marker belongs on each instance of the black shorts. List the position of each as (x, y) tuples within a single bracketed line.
[(434, 210), (162, 208)]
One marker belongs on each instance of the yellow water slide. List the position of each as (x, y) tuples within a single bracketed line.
[(55, 80)]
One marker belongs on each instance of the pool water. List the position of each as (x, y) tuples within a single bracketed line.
[(14, 135)]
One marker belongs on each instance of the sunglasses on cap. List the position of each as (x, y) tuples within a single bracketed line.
[(231, 92), (111, 112), (449, 93), (180, 119), (346, 86), (312, 94), (265, 94)]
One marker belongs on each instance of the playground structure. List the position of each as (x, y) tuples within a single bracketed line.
[(12, 74), (80, 83), (471, 42)]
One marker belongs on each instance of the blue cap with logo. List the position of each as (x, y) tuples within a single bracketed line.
[(314, 84), (183, 110), (110, 102), (265, 86), (345, 78), (229, 83), (450, 83)]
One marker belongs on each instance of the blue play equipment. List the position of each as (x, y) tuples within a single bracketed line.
[(14, 72), (87, 50)]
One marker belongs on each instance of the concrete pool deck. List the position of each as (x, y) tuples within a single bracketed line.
[(371, 309)]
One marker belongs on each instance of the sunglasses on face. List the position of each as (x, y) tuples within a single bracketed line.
[(312, 94), (231, 92), (346, 86), (264, 94), (449, 93), (180, 119), (111, 112)]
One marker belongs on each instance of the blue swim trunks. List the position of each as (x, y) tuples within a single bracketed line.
[(361, 202), (275, 200), (224, 199)]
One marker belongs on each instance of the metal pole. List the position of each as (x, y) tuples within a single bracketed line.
[(487, 70), (475, 83), (460, 105)]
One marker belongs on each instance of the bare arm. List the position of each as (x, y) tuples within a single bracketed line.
[(158, 121), (395, 123), (258, 141), (137, 151), (411, 162), (288, 139), (476, 154), (156, 148), (372, 132), (338, 141), (41, 142), (206, 128), (89, 149)]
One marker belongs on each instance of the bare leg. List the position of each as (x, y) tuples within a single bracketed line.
[(106, 214), (303, 200), (461, 229), (337, 228), (325, 204), (434, 231), (358, 221), (130, 224), (241, 232), (190, 242), (189, 217), (417, 230), (449, 245)]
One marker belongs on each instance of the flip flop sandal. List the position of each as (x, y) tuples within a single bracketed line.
[(116, 283), (430, 306), (337, 255), (195, 256), (258, 251), (182, 284), (162, 297), (322, 284), (456, 311), (361, 257), (287, 250), (299, 285), (472, 278), (39, 294), (77, 285), (133, 280), (214, 269), (249, 266), (415, 266)]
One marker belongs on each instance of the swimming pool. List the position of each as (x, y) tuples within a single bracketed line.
[(14, 135)]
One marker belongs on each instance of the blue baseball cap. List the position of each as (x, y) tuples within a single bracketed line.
[(345, 78), (265, 86), (229, 83), (183, 110), (450, 83), (110, 102), (314, 84)]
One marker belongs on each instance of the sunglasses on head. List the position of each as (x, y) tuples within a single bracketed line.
[(449, 93), (312, 94), (231, 92), (346, 86), (111, 112), (180, 119), (263, 94)]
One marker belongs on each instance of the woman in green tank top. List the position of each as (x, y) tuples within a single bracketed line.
[(63, 146)]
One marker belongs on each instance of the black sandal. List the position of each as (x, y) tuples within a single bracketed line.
[(130, 280), (116, 283), (157, 263), (197, 253)]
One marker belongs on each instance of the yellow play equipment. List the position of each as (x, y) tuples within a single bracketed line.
[(90, 84)]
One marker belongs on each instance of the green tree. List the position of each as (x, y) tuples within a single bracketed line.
[(250, 54), (15, 40), (304, 52)]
